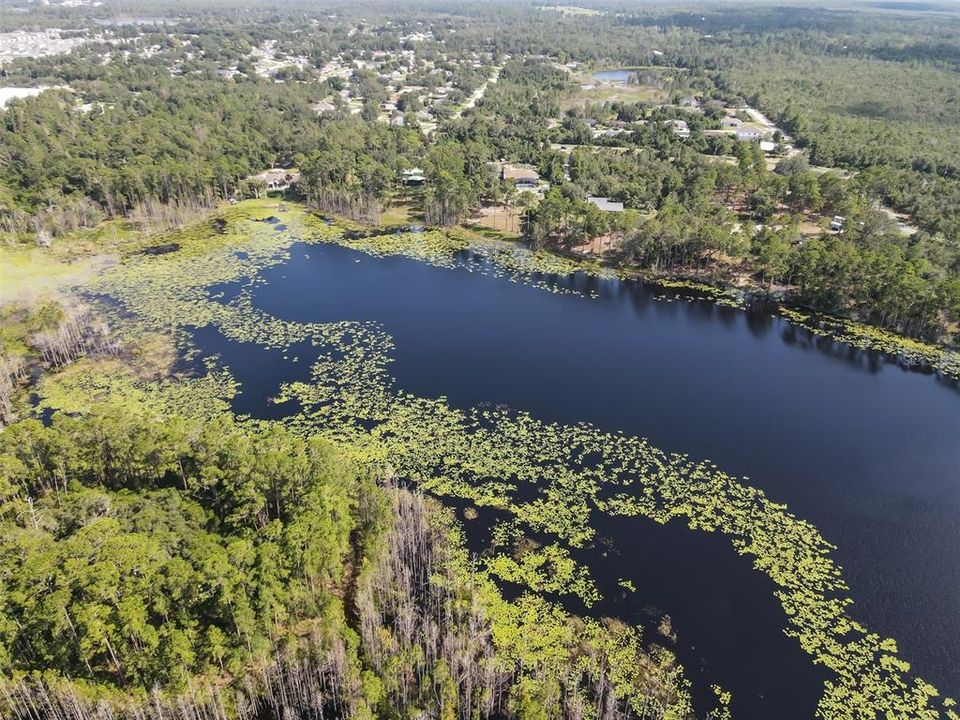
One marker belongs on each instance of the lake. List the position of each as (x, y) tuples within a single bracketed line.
[(617, 76), (865, 450)]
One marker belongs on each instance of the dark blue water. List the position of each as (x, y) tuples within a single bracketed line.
[(866, 450)]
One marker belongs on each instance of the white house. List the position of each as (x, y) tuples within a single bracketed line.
[(605, 204), (413, 176), (680, 128)]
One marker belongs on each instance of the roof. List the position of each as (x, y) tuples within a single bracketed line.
[(606, 204), (413, 175), (519, 173), (278, 175)]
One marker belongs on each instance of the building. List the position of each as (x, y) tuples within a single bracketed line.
[(606, 204), (413, 177), (324, 108), (608, 132), (749, 134), (522, 176), (679, 127), (730, 123), (278, 178)]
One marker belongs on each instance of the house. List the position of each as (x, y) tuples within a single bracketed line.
[(413, 177), (689, 102), (731, 123), (679, 127), (608, 132), (836, 225), (278, 178), (749, 134), (605, 204), (522, 176), (324, 108)]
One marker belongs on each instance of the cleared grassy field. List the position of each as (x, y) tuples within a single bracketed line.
[(504, 221), (611, 93)]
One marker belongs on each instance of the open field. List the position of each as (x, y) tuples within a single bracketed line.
[(613, 93), (505, 221)]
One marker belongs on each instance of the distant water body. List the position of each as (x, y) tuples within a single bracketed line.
[(619, 76)]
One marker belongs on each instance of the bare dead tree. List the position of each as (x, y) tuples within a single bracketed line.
[(13, 373), (79, 332), (156, 216)]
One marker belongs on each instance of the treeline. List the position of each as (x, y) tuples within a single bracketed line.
[(168, 570), (140, 553), (163, 130), (147, 138), (730, 213), (694, 212), (354, 166)]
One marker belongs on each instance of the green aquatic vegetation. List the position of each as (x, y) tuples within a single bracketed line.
[(515, 262), (551, 479), (504, 259), (722, 710), (177, 289), (486, 456), (869, 337), (537, 635), (540, 637), (727, 297), (548, 569), (432, 246), (110, 382)]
